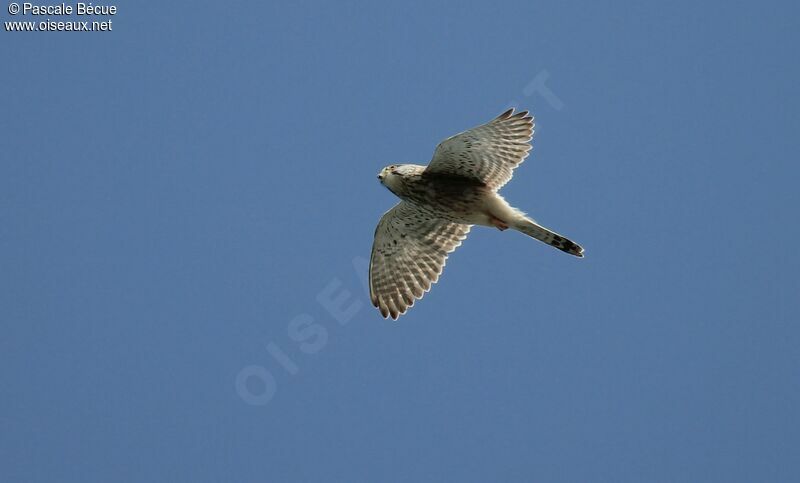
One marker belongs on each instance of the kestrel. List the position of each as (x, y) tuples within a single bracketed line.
[(440, 203)]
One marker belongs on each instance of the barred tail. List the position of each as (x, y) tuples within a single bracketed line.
[(530, 228)]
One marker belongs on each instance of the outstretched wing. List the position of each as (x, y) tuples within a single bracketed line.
[(408, 255), (488, 153)]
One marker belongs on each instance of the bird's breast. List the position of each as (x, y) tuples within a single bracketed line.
[(455, 199)]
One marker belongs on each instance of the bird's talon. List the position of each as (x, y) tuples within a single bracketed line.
[(498, 223)]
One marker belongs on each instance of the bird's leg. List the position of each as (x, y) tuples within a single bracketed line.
[(498, 223)]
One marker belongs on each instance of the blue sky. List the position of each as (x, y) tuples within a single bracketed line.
[(179, 196)]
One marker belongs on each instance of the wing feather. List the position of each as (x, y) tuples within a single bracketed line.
[(488, 153), (408, 255)]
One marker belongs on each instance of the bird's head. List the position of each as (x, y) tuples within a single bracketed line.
[(391, 176)]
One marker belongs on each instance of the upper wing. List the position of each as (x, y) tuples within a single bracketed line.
[(488, 153), (408, 255)]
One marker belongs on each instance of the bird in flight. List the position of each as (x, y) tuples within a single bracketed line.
[(440, 203)]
